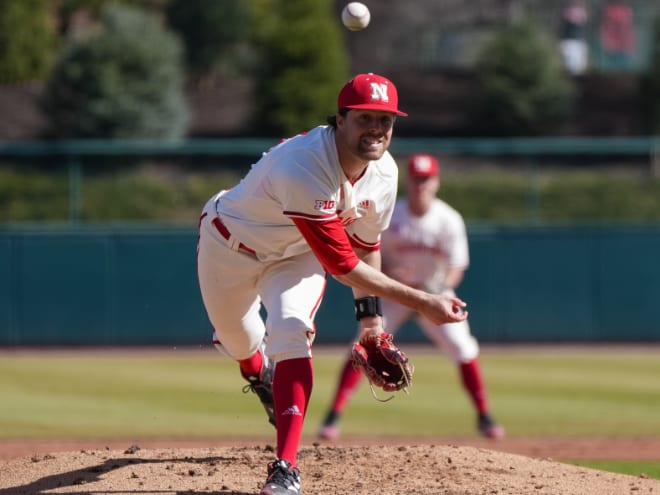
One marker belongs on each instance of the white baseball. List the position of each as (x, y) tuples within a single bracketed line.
[(355, 16)]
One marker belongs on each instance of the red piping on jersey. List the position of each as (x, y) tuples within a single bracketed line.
[(368, 246), (353, 181), (306, 216), (329, 243)]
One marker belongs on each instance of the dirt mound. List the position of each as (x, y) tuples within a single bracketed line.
[(359, 470)]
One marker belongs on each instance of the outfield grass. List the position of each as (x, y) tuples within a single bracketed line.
[(177, 393), (635, 468), (181, 393)]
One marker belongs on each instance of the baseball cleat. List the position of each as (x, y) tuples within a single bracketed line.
[(262, 385), (489, 428), (329, 430), (283, 479)]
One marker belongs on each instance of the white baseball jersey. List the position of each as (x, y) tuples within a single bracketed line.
[(418, 250), (302, 178), (297, 186)]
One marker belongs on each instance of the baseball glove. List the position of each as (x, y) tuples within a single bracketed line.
[(384, 364)]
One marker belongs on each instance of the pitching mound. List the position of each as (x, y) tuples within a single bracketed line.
[(363, 470)]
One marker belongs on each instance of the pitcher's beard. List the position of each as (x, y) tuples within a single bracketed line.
[(370, 153)]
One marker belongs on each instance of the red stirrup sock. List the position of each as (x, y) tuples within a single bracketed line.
[(292, 388), (473, 383), (348, 382), (252, 365)]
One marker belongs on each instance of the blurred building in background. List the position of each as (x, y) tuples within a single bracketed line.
[(435, 34), (430, 50)]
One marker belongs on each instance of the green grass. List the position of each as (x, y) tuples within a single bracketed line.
[(635, 468), (198, 393), (176, 393)]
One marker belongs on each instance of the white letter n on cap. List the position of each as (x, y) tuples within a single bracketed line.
[(379, 92)]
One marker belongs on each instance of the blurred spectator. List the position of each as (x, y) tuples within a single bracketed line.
[(617, 34), (573, 45)]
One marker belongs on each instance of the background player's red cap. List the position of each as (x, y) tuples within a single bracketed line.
[(370, 92), (423, 165)]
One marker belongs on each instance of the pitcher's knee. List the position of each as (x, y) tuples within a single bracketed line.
[(290, 339)]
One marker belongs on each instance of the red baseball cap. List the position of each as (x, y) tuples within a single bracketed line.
[(423, 165), (370, 92)]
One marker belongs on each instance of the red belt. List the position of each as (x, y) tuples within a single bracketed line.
[(225, 233)]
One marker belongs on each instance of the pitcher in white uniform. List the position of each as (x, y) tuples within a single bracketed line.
[(313, 205), (425, 247)]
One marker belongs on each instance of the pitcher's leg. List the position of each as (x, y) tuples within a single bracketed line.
[(292, 291), (227, 281)]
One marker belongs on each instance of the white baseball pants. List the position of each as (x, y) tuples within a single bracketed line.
[(234, 283)]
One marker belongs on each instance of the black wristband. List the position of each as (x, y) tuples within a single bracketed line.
[(367, 306)]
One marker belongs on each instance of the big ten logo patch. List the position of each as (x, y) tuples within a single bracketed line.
[(324, 204)]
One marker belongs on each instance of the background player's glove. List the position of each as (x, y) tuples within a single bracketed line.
[(384, 364)]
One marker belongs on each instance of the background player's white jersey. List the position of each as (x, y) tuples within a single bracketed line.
[(302, 178), (418, 250)]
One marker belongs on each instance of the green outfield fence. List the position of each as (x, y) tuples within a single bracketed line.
[(135, 284)]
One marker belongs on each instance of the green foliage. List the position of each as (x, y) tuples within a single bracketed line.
[(132, 194), (212, 33), (29, 195), (302, 67), (487, 196), (149, 192), (68, 8), (524, 90), (27, 40), (124, 82), (559, 195)]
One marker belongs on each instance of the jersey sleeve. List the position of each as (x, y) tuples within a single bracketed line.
[(329, 243)]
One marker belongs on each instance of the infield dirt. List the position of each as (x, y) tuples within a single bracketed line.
[(394, 467)]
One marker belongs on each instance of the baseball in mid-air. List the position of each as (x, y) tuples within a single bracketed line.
[(355, 16)]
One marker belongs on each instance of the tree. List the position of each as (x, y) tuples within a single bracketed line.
[(302, 65), (27, 40), (124, 82), (212, 33), (68, 8), (524, 90)]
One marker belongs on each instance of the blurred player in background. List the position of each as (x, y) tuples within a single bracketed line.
[(425, 247), (312, 205)]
